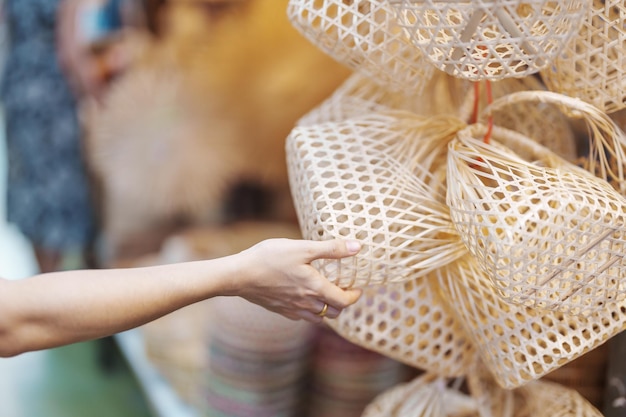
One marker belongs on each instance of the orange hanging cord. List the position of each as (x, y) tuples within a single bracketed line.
[(474, 118), (490, 118)]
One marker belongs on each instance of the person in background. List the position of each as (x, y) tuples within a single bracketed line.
[(90, 42), (60, 308), (48, 191)]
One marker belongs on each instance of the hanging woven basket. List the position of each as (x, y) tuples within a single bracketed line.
[(546, 399), (545, 123), (359, 95), (535, 399), (365, 36), (607, 142), (549, 235), (379, 179), (491, 399), (487, 40), (425, 396), (593, 66), (520, 344), (408, 322)]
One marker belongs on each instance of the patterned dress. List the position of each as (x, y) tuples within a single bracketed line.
[(48, 189)]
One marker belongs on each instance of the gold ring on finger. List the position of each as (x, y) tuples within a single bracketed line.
[(324, 310)]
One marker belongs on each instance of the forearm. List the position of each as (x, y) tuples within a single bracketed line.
[(65, 307), (59, 308)]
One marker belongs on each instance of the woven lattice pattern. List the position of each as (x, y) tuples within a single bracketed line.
[(520, 344), (408, 322), (593, 66), (537, 398), (547, 399), (607, 142), (479, 40), (359, 95), (425, 396), (544, 123), (378, 179), (365, 36), (549, 238)]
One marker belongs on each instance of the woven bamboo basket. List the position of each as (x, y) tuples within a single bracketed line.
[(379, 179), (483, 40), (520, 344), (426, 396), (359, 95), (545, 123), (363, 35), (408, 322), (549, 235), (550, 400), (587, 375), (491, 399), (607, 141), (593, 66), (537, 398)]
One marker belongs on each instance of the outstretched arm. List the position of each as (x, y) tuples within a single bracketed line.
[(59, 308)]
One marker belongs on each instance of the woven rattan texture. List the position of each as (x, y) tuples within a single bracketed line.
[(545, 123), (607, 142), (537, 398), (477, 41), (593, 66), (408, 322), (551, 400), (520, 344), (425, 396), (365, 36), (550, 237), (379, 179), (359, 95)]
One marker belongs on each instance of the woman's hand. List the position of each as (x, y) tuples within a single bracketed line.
[(278, 276)]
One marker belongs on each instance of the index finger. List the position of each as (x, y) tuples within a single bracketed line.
[(332, 249)]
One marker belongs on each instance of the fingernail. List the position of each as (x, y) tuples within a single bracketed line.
[(353, 246)]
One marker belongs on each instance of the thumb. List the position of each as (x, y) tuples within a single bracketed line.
[(353, 295), (333, 249)]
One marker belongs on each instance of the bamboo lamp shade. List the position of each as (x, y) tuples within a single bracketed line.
[(483, 40), (545, 123), (359, 95), (520, 344), (537, 398), (550, 237), (546, 399), (593, 66), (378, 179), (425, 396), (606, 158), (408, 322), (363, 35)]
